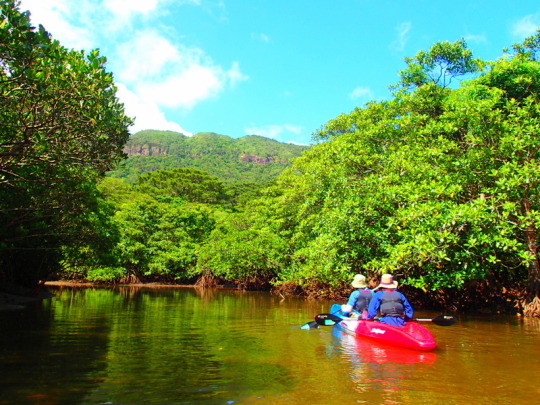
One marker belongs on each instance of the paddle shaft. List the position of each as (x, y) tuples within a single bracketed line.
[(332, 319), (309, 325)]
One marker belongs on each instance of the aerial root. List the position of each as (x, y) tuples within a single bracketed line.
[(532, 309)]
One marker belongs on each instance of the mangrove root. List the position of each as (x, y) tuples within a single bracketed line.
[(532, 309)]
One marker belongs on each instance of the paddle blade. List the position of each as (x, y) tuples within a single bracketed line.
[(327, 319), (310, 325), (444, 320)]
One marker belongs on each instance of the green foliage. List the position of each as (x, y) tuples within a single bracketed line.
[(438, 185), (440, 65), (529, 48), (105, 274), (62, 129), (164, 226), (188, 184), (160, 230), (238, 251), (160, 239)]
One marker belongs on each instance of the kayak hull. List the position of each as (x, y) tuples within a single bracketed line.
[(374, 351), (412, 335)]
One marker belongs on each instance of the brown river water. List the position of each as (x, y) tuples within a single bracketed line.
[(191, 346)]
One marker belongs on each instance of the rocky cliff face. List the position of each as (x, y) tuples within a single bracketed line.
[(256, 159), (248, 159), (145, 150), (159, 150)]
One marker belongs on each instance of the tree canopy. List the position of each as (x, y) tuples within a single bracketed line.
[(62, 129), (438, 185)]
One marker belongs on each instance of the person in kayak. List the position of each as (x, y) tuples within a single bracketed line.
[(393, 306), (359, 299)]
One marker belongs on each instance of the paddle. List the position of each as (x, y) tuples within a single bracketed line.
[(441, 320), (314, 324), (328, 319), (310, 325)]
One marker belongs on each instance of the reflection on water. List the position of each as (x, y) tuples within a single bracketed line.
[(191, 346), (377, 370), (530, 325), (115, 346), (39, 361), (367, 350)]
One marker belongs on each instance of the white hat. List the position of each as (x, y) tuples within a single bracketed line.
[(359, 281), (387, 281)]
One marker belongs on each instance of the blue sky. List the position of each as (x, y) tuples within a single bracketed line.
[(276, 68)]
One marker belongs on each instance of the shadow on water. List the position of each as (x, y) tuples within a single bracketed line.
[(43, 361)]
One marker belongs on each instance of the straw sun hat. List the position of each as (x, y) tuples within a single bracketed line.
[(387, 281), (359, 281)]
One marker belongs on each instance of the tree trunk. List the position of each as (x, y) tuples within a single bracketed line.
[(531, 306)]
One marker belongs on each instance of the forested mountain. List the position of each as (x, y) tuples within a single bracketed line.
[(244, 160)]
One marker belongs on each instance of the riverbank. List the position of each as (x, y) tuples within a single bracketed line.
[(70, 283), (16, 298), (481, 298)]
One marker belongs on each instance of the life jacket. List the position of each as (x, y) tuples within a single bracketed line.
[(362, 302), (391, 304)]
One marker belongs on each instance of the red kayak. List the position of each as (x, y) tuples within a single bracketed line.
[(412, 335), (372, 351)]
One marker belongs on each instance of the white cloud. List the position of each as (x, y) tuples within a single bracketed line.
[(145, 56), (123, 9), (298, 143), (147, 115), (235, 75), (190, 86), (526, 26), (126, 9), (124, 12), (150, 70), (274, 131), (475, 38), (363, 93), (402, 36), (171, 75), (57, 18)]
